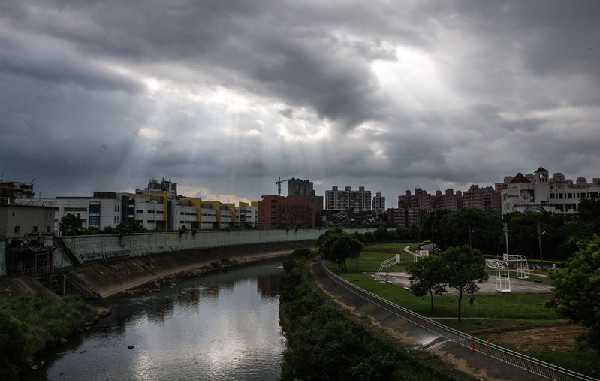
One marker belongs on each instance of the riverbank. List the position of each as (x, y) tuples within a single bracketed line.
[(326, 341), (109, 278)]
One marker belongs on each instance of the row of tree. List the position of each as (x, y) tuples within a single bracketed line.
[(546, 235), (71, 224)]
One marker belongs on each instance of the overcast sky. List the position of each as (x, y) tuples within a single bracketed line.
[(224, 97)]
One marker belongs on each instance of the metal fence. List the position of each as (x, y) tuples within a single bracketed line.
[(535, 366)]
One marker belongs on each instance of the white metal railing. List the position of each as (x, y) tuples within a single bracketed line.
[(475, 344)]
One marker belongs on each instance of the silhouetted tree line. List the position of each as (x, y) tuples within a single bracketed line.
[(559, 233)]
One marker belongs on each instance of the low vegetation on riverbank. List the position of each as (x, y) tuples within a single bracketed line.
[(325, 342), (28, 325)]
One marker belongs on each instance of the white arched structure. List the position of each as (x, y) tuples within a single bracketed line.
[(520, 262), (385, 265), (502, 274)]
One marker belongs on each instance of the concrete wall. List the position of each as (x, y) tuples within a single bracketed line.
[(2, 258), (87, 248)]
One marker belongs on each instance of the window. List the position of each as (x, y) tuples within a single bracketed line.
[(73, 209), (35, 229), (17, 229), (94, 220), (94, 207)]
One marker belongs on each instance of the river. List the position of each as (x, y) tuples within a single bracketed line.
[(222, 326)]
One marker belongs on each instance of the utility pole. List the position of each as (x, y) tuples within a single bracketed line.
[(506, 236), (540, 244), (470, 241)]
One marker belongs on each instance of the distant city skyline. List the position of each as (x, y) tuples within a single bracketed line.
[(226, 97)]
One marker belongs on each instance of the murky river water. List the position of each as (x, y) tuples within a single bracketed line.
[(223, 326)]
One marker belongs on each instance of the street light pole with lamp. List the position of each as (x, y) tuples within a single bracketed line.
[(540, 244)]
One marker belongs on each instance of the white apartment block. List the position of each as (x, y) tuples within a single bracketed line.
[(208, 217), (225, 217), (539, 192), (151, 212), (247, 216), (94, 212)]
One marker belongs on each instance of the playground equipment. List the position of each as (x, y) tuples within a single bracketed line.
[(502, 267), (520, 262), (385, 265), (502, 274)]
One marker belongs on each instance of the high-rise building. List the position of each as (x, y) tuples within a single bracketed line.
[(378, 202), (348, 199), (297, 187)]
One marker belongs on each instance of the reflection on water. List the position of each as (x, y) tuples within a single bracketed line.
[(217, 327)]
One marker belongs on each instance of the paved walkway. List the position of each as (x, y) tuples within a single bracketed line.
[(473, 362)]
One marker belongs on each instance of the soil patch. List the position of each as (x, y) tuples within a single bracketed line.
[(556, 338), (20, 286)]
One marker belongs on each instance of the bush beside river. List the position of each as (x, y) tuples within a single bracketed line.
[(326, 342), (28, 325)]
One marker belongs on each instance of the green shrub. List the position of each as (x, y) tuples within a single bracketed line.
[(29, 324)]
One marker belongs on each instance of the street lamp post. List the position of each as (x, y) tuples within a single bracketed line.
[(540, 245)]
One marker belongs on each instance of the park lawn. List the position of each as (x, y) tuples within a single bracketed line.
[(490, 311), (370, 261), (584, 361), (392, 245), (501, 306)]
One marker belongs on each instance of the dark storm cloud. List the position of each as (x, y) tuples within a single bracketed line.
[(473, 89), (264, 47), (47, 63)]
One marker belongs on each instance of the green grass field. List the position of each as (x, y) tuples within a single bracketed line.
[(503, 310)]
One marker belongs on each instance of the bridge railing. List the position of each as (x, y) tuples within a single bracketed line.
[(475, 344)]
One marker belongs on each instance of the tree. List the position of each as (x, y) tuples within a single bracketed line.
[(427, 276), (577, 290), (463, 267), (70, 224), (337, 246)]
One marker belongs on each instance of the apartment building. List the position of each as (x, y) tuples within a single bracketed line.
[(348, 199), (289, 212), (538, 191), (247, 214), (378, 203)]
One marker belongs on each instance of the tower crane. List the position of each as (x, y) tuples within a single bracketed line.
[(279, 182)]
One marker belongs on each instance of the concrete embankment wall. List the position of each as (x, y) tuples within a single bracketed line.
[(2, 258), (94, 247)]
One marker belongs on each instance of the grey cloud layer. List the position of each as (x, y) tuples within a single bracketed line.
[(75, 104)]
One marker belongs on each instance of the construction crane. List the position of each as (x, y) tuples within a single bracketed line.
[(279, 182)]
